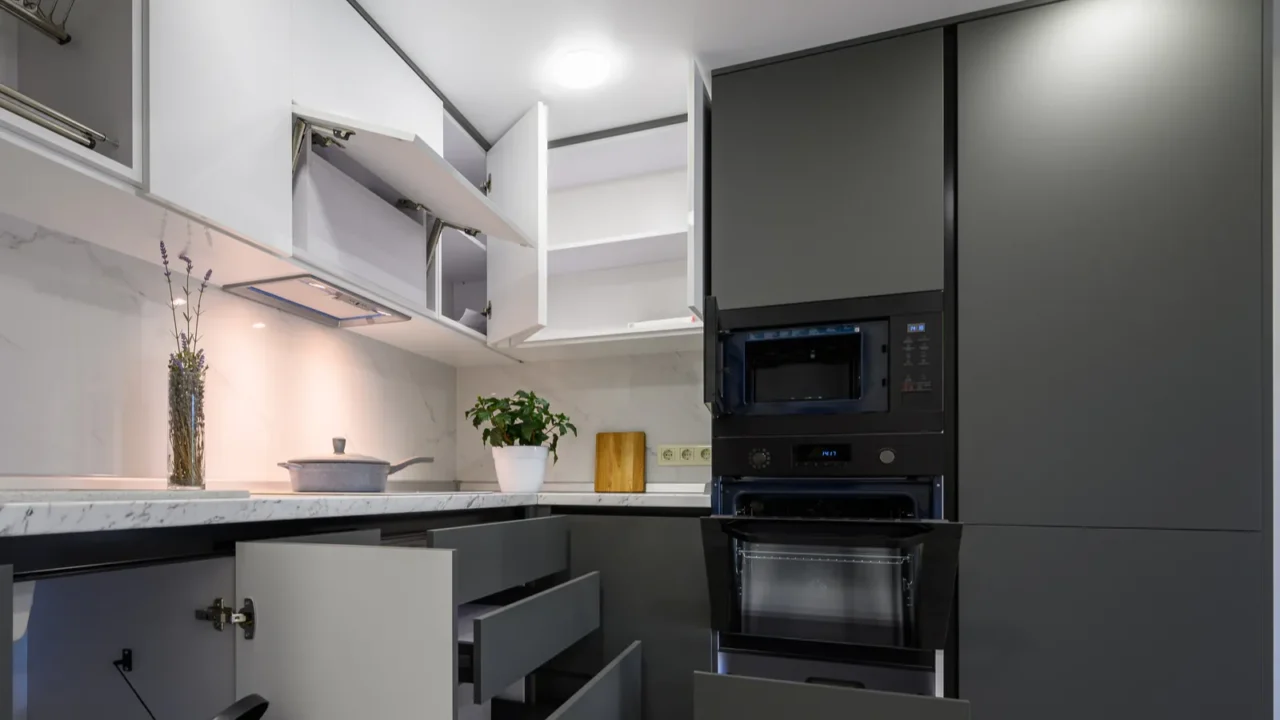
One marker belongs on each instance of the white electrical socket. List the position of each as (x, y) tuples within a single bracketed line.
[(684, 455)]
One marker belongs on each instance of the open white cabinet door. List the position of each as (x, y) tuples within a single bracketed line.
[(699, 146), (344, 631), (409, 164), (517, 276)]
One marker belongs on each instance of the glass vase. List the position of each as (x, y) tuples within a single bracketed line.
[(186, 426)]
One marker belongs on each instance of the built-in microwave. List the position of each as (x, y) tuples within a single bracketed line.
[(861, 365)]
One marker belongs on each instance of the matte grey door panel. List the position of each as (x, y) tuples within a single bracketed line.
[(827, 175), (613, 694), (654, 589), (1110, 291), (492, 557), (733, 697), (1070, 623), (515, 640)]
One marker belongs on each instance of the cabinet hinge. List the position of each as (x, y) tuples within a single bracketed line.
[(487, 187), (221, 615)]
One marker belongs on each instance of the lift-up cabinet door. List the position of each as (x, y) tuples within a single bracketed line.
[(218, 114), (346, 631), (517, 276)]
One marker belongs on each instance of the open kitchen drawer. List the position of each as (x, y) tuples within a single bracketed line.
[(342, 627), (733, 697), (499, 645)]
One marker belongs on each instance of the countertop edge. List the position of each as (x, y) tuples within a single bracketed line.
[(78, 516)]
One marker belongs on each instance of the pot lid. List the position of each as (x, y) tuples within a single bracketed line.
[(340, 455)]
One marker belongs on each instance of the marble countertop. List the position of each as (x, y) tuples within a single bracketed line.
[(53, 512)]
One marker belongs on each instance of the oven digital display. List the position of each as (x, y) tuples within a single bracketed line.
[(822, 453)]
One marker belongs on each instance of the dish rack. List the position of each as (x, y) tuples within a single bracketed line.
[(49, 17)]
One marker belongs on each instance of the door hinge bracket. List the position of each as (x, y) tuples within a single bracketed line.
[(221, 615), (487, 187)]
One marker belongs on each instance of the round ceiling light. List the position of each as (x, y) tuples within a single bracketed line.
[(580, 69)]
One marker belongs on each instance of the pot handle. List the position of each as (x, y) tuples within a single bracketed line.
[(289, 466), (406, 463)]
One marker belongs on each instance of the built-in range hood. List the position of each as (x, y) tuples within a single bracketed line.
[(307, 296)]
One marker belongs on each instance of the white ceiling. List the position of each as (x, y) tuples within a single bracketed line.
[(488, 56)]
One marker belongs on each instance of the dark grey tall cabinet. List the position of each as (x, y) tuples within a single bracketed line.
[(1112, 280), (828, 175)]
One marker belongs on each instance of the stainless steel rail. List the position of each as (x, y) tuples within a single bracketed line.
[(50, 119)]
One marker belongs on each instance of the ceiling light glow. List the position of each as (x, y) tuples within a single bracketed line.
[(258, 325), (179, 302), (581, 68)]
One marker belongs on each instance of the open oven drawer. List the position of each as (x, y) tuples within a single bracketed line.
[(498, 646), (732, 697)]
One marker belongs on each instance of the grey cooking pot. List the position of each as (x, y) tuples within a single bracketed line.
[(341, 472)]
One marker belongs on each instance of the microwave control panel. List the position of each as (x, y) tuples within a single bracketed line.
[(916, 362)]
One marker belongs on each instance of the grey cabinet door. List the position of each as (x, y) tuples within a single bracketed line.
[(654, 589), (1070, 623), (1110, 249), (827, 175)]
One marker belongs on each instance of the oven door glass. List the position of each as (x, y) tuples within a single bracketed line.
[(860, 582)]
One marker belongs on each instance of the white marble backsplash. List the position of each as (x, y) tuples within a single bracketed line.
[(660, 395), (84, 337)]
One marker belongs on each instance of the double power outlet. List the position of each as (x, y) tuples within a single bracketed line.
[(684, 454)]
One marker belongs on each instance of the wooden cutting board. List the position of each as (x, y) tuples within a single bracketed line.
[(620, 462)]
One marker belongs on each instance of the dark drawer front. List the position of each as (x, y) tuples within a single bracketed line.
[(492, 557), (515, 640), (613, 694), (734, 697)]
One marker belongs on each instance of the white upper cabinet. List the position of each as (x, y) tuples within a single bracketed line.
[(623, 260), (219, 115), (74, 89), (343, 68), (699, 127), (517, 276)]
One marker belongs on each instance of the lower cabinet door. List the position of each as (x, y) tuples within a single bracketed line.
[(736, 697), (1108, 624), (613, 694), (512, 641), (347, 631)]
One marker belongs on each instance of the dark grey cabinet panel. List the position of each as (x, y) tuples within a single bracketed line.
[(1070, 623), (496, 556), (827, 175), (613, 694), (729, 697), (513, 641), (1110, 249), (654, 590)]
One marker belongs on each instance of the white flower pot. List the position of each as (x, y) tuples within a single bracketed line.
[(521, 469)]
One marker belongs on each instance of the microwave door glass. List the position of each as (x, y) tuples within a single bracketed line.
[(806, 368)]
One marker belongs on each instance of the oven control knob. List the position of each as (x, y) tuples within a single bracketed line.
[(759, 459), (887, 456)]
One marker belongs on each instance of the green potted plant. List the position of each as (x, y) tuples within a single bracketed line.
[(522, 431)]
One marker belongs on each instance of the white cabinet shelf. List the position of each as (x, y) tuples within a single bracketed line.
[(637, 249)]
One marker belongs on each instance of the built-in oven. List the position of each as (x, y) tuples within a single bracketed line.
[(844, 580), (861, 365)]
